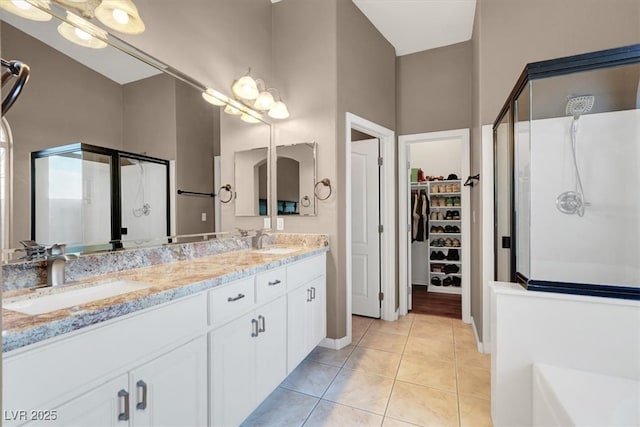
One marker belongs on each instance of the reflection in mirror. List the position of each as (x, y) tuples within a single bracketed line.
[(296, 166), (111, 99), (250, 172)]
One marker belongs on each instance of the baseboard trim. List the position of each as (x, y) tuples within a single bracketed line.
[(335, 343), (479, 344)]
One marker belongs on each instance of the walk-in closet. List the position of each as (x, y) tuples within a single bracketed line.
[(439, 230)]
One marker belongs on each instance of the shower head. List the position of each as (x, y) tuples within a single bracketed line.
[(578, 105)]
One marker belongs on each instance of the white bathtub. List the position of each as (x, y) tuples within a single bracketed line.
[(568, 397)]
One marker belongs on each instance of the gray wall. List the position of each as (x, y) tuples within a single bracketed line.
[(507, 35), (366, 87), (149, 114), (54, 110), (305, 71), (194, 160), (434, 89)]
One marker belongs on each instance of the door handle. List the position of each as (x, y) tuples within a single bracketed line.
[(506, 242), (232, 299), (275, 282), (262, 328), (309, 295), (142, 405), (124, 415), (254, 328), (313, 293)]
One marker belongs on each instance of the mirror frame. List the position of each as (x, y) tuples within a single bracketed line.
[(312, 196)]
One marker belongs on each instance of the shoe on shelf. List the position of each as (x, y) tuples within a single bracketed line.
[(432, 257), (433, 229), (453, 255), (439, 216), (455, 215), (437, 268), (441, 201), (449, 215), (449, 202), (435, 281), (455, 243), (447, 281), (434, 189), (448, 242), (456, 201), (451, 268), (456, 281), (455, 229), (433, 215), (447, 229)]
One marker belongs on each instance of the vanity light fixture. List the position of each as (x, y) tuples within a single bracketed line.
[(245, 87), (25, 9), (279, 110), (264, 101), (120, 15), (214, 97), (82, 32)]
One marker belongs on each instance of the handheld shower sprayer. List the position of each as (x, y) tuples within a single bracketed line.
[(572, 202)]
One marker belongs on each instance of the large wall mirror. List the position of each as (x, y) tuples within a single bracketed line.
[(296, 178), (109, 97)]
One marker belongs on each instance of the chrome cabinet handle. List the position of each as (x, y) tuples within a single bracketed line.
[(309, 295), (254, 328), (232, 299), (142, 405), (275, 282), (313, 293), (124, 415), (262, 328)]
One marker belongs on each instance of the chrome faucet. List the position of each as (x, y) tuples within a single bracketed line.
[(256, 241), (56, 261)]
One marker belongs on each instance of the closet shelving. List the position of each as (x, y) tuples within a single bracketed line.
[(445, 202)]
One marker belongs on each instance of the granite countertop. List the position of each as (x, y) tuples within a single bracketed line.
[(169, 281)]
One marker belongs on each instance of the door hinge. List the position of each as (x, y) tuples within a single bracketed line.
[(379, 161), (381, 296), (380, 228), (408, 165)]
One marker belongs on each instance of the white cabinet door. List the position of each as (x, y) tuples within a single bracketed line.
[(232, 375), (172, 389), (318, 316), (271, 347), (104, 406), (297, 329)]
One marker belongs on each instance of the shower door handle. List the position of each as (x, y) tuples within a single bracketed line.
[(506, 242)]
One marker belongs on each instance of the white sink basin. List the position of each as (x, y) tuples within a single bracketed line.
[(276, 251), (56, 299)]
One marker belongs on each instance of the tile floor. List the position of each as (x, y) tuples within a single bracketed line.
[(421, 370)]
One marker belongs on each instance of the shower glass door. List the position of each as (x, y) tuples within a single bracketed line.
[(143, 195), (503, 197)]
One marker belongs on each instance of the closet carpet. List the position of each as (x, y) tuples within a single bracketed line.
[(438, 304)]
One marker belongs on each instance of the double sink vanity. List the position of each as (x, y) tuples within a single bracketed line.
[(193, 335)]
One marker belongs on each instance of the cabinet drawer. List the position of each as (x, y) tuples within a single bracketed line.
[(270, 284), (303, 271), (233, 300)]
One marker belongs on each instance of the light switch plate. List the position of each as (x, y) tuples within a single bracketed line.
[(204, 216), (266, 223), (280, 224)]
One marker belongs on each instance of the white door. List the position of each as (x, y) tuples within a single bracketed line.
[(271, 347), (172, 389), (365, 220), (297, 308), (232, 349), (106, 406)]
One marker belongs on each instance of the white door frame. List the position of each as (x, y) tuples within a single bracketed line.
[(387, 213), (403, 183)]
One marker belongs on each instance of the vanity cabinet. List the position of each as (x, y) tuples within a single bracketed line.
[(248, 360), (306, 309), (168, 391), (90, 376)]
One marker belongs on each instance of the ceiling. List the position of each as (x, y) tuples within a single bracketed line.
[(416, 25)]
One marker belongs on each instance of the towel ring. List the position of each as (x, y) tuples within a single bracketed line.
[(326, 183), (226, 188), (305, 201)]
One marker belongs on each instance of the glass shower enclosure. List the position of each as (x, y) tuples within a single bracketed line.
[(91, 197), (566, 162)]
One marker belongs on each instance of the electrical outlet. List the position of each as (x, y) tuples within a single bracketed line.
[(280, 224), (204, 216), (266, 223)]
